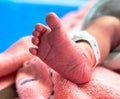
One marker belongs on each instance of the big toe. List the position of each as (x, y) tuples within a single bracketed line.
[(53, 21)]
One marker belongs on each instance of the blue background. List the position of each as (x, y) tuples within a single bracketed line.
[(18, 18)]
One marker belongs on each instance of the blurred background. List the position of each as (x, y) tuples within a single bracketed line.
[(18, 17)]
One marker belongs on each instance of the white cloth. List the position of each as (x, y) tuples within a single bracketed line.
[(113, 60), (84, 35)]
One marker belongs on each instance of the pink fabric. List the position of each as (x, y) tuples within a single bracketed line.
[(105, 84)]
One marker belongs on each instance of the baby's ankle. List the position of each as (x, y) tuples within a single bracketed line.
[(88, 52)]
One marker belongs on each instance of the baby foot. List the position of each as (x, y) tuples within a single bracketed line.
[(72, 60), (34, 81)]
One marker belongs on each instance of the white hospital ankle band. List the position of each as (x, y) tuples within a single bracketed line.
[(84, 35)]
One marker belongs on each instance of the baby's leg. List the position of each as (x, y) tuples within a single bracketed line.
[(72, 60), (13, 57), (34, 80)]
